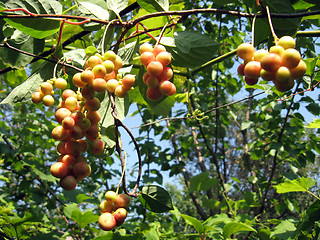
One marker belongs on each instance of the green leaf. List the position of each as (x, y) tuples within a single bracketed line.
[(96, 8), (156, 199), (24, 91), (310, 216), (194, 222), (127, 52), (86, 218), (233, 227), (311, 65), (202, 182), (24, 43), (296, 185), (285, 230), (190, 49), (154, 5), (46, 177), (35, 27), (117, 5), (69, 209)]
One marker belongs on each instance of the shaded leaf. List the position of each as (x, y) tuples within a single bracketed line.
[(190, 49), (156, 199), (24, 91), (24, 43), (202, 182), (35, 27)]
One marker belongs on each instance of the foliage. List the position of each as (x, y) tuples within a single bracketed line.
[(221, 159)]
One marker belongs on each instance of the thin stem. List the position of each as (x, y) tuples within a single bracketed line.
[(203, 113), (104, 35), (123, 172), (313, 194), (275, 37), (253, 27)]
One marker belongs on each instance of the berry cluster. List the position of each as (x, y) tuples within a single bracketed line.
[(45, 92), (114, 210), (77, 120), (101, 74), (158, 75), (281, 64), (78, 115)]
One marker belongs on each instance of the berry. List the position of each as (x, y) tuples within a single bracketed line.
[(252, 69), (59, 169), (60, 83), (37, 97), (155, 68), (286, 42), (154, 94), (290, 58), (68, 183), (145, 47), (271, 62), (48, 100), (245, 51), (107, 221)]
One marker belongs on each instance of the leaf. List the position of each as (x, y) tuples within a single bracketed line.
[(86, 218), (310, 216), (296, 185), (117, 5), (127, 52), (154, 5), (285, 230), (46, 177), (194, 222), (311, 65), (100, 11), (156, 199), (233, 227), (190, 49), (35, 27), (24, 91), (202, 182), (24, 43), (70, 208)]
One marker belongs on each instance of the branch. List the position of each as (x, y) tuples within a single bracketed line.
[(201, 114), (117, 124), (275, 163), (186, 177), (7, 45), (44, 186)]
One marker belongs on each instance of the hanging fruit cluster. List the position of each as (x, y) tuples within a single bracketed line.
[(78, 115), (282, 64), (158, 75), (114, 210)]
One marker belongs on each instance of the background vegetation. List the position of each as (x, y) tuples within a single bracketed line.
[(239, 161)]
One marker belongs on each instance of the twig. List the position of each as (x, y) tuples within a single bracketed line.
[(7, 45), (199, 115), (275, 162), (20, 157), (119, 123)]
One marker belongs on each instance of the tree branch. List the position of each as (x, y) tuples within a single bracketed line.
[(117, 124)]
